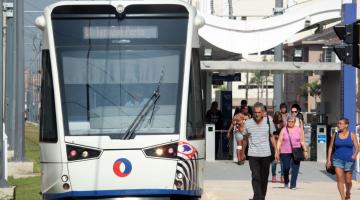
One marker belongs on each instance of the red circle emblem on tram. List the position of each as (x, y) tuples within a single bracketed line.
[(122, 167)]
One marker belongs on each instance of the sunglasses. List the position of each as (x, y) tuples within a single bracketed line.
[(294, 111)]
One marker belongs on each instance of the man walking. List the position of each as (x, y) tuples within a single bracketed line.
[(258, 130)]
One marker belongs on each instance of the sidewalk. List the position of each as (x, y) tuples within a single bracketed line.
[(224, 180)]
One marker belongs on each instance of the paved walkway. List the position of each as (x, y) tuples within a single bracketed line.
[(224, 180)]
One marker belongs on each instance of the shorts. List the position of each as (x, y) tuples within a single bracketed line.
[(345, 165), (239, 136)]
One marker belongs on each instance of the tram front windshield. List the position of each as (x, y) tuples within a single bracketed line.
[(109, 69)]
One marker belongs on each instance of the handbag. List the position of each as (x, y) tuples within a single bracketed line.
[(297, 152), (331, 169)]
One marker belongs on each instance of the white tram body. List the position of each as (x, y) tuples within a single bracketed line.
[(122, 106)]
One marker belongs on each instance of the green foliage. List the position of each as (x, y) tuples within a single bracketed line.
[(222, 88), (32, 145), (26, 188), (313, 89), (29, 188), (257, 79)]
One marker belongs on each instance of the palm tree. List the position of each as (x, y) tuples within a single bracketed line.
[(313, 89), (261, 81), (258, 80)]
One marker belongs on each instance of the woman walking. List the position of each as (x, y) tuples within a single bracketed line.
[(343, 159), (237, 127), (290, 137), (279, 124)]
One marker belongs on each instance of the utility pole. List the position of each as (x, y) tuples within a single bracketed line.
[(10, 75), (3, 183), (19, 150), (278, 78), (349, 74)]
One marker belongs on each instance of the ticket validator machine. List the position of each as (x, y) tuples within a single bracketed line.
[(210, 142), (321, 142)]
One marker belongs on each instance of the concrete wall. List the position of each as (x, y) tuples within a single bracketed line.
[(292, 84), (331, 94), (315, 53)]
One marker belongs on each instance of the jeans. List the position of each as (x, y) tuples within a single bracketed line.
[(288, 162), (273, 168), (347, 166), (259, 167)]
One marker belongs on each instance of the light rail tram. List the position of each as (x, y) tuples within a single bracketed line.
[(121, 100)]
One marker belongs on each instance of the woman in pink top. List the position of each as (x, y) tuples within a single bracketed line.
[(284, 147)]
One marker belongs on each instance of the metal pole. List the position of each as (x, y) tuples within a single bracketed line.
[(19, 150), (9, 83), (3, 183), (349, 75), (278, 78)]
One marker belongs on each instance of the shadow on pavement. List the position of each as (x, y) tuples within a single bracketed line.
[(328, 175)]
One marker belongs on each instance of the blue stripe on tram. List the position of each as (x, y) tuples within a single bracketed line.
[(121, 193)]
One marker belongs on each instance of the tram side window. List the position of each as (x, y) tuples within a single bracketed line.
[(194, 125), (48, 130)]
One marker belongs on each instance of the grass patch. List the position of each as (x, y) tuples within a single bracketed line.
[(29, 188), (26, 188), (32, 145)]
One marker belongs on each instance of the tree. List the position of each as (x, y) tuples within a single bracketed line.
[(313, 89), (258, 80), (261, 81)]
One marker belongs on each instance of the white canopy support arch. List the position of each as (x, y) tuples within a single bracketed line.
[(252, 36)]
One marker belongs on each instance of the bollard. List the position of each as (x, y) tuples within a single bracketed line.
[(5, 153), (5, 156), (210, 142), (321, 142)]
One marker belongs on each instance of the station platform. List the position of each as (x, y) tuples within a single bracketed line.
[(225, 180)]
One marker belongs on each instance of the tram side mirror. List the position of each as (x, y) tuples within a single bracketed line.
[(199, 21)]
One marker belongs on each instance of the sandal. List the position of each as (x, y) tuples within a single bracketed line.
[(347, 196)]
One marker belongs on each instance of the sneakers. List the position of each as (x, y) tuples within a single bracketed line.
[(282, 179), (273, 179), (294, 188)]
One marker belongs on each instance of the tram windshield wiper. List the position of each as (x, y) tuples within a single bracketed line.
[(130, 132)]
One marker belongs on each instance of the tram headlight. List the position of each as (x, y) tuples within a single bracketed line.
[(79, 152), (73, 153), (180, 175), (162, 151), (64, 178), (66, 186), (159, 151), (170, 150), (85, 154)]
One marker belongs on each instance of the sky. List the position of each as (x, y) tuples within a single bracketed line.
[(33, 9)]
